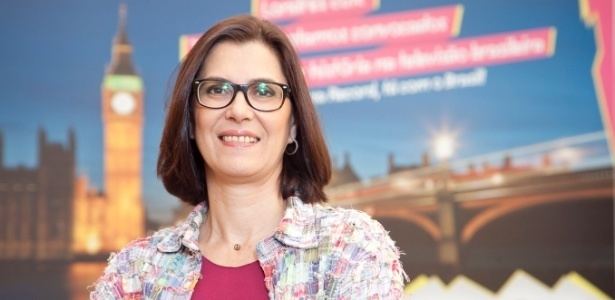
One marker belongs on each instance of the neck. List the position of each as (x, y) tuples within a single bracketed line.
[(241, 213)]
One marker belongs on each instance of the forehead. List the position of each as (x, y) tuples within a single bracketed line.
[(242, 62)]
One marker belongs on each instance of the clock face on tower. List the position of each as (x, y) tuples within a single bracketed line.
[(123, 103)]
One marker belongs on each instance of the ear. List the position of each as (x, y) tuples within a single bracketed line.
[(292, 135)]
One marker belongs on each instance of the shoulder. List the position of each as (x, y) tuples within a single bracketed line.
[(141, 249), (125, 268)]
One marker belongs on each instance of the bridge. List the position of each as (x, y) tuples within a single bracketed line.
[(546, 207)]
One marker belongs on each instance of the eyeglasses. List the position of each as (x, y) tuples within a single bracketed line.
[(261, 95)]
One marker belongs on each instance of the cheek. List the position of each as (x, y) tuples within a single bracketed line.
[(279, 126), (203, 121), (203, 127)]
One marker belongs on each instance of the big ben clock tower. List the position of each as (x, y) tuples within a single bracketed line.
[(122, 114)]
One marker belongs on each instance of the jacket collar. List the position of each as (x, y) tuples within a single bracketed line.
[(297, 228)]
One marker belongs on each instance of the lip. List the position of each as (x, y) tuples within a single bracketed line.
[(241, 132)]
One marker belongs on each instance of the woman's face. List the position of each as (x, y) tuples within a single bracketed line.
[(239, 143)]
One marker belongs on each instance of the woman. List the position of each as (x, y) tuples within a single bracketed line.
[(242, 143)]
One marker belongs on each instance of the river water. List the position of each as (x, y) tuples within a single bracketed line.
[(59, 280)]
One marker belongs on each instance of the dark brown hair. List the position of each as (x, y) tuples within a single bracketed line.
[(180, 164)]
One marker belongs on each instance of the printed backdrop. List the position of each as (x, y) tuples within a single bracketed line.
[(480, 133)]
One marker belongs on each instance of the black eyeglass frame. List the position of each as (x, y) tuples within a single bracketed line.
[(244, 88)]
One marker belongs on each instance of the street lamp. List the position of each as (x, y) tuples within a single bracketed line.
[(444, 145)]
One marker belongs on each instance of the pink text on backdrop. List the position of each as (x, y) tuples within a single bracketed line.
[(599, 15), (186, 42), (275, 10), (417, 25), (409, 60)]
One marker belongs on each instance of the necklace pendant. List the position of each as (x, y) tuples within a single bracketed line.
[(236, 247)]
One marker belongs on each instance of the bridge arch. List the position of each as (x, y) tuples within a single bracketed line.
[(407, 215), (513, 204)]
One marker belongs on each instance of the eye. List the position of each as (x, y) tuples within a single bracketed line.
[(218, 88), (264, 90)]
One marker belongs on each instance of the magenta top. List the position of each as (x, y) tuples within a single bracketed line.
[(219, 282)]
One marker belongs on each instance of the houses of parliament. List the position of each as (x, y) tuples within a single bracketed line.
[(48, 212)]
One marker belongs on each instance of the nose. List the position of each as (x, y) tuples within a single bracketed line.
[(239, 110)]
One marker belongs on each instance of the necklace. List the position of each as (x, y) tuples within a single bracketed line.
[(236, 247)]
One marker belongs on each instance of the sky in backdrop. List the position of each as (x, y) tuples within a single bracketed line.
[(54, 53)]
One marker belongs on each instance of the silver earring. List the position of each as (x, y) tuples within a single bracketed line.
[(296, 148)]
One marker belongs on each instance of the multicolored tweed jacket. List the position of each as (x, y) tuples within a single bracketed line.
[(318, 252)]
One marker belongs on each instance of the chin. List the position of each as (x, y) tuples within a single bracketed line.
[(239, 170)]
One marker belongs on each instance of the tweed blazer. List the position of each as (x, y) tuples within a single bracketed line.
[(317, 252)]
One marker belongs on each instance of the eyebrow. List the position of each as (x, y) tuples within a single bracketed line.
[(261, 79)]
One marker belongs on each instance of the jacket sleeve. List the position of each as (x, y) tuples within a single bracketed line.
[(375, 278), (108, 286), (375, 273), (119, 281)]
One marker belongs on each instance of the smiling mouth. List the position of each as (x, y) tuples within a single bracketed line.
[(242, 139)]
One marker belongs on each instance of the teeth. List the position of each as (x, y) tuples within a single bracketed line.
[(240, 139)]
